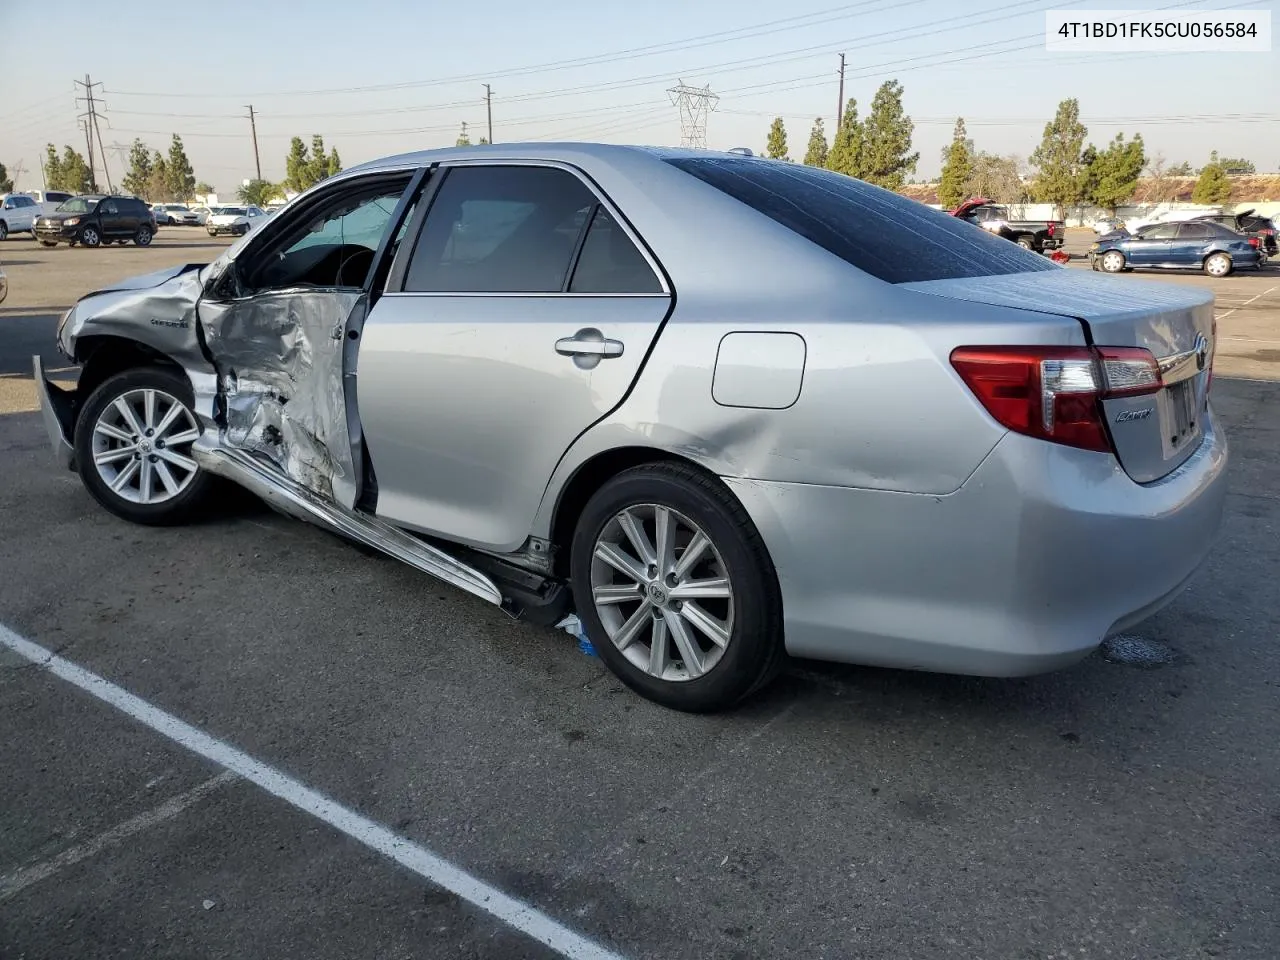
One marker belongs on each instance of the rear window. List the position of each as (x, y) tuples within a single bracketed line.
[(889, 236)]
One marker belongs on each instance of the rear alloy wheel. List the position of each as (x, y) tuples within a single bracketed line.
[(1217, 265), (90, 237), (4, 230), (143, 237), (675, 589), (1113, 261), (133, 447), (1026, 243)]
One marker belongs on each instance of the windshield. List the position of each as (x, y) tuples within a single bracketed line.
[(179, 208), (78, 205), (231, 211)]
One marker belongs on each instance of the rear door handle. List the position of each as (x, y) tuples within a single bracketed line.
[(588, 347)]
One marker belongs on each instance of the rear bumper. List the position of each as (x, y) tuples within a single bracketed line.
[(1041, 554), (57, 409)]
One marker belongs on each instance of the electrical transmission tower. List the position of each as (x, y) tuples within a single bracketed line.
[(694, 104), (91, 129)]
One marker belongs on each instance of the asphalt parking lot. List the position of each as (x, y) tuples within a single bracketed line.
[(1128, 807)]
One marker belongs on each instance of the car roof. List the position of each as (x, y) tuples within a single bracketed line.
[(536, 150)]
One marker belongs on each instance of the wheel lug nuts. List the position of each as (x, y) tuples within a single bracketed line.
[(153, 458), (653, 570), (672, 579), (150, 432)]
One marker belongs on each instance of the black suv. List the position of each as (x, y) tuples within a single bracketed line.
[(93, 219), (1250, 224)]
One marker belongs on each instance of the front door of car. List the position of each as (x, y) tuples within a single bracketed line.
[(517, 317), (275, 323), (1151, 244)]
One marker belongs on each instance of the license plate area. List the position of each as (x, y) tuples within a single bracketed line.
[(1183, 414)]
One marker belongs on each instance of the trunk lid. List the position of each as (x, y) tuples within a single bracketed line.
[(1152, 434)]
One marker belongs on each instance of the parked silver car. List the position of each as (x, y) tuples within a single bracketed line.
[(725, 408)]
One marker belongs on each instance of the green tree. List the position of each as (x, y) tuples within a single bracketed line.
[(957, 169), (258, 193), (297, 166), (203, 188), (463, 139), (158, 187), (1112, 175), (1237, 165), (334, 163), (846, 149), (1213, 185), (6, 184), (776, 148), (180, 179), (1182, 169), (816, 153), (484, 141), (1057, 158), (138, 180), (886, 156), (69, 172)]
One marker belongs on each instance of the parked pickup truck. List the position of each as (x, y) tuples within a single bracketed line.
[(1037, 235)]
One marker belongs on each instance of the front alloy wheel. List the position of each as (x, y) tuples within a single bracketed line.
[(90, 237), (1113, 261), (133, 447), (675, 589)]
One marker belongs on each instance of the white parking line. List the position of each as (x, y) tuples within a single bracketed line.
[(403, 851), (1247, 302), (15, 883)]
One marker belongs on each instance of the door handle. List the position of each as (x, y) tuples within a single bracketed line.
[(588, 347)]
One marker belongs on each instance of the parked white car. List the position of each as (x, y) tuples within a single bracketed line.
[(49, 200), (1133, 224), (202, 214), (18, 213), (236, 221), (175, 214)]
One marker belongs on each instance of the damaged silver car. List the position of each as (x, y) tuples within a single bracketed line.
[(726, 409)]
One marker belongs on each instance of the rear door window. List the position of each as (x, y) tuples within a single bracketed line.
[(1195, 231), (891, 237), (610, 262), (500, 229)]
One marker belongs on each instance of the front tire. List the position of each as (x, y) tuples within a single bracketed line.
[(1217, 265), (90, 237), (1113, 261), (676, 590), (133, 447)]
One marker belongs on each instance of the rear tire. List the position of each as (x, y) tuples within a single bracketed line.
[(661, 639), (143, 237), (1217, 265), (4, 230), (144, 478), (1026, 243)]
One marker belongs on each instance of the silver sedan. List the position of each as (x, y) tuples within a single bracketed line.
[(713, 409)]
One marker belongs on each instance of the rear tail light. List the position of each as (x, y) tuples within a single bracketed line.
[(1253, 242), (1051, 228), (1055, 393)]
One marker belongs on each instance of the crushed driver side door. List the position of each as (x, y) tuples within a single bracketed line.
[(275, 325)]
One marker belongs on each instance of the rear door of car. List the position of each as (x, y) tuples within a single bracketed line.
[(519, 312), (1188, 246)]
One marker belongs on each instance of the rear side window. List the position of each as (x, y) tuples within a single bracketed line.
[(889, 236), (610, 262), (1196, 231), (500, 229)]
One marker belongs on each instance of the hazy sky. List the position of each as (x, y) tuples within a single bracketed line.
[(384, 76)]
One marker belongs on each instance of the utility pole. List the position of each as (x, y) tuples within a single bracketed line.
[(488, 109), (840, 106), (694, 104), (18, 170), (253, 127), (92, 129)]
